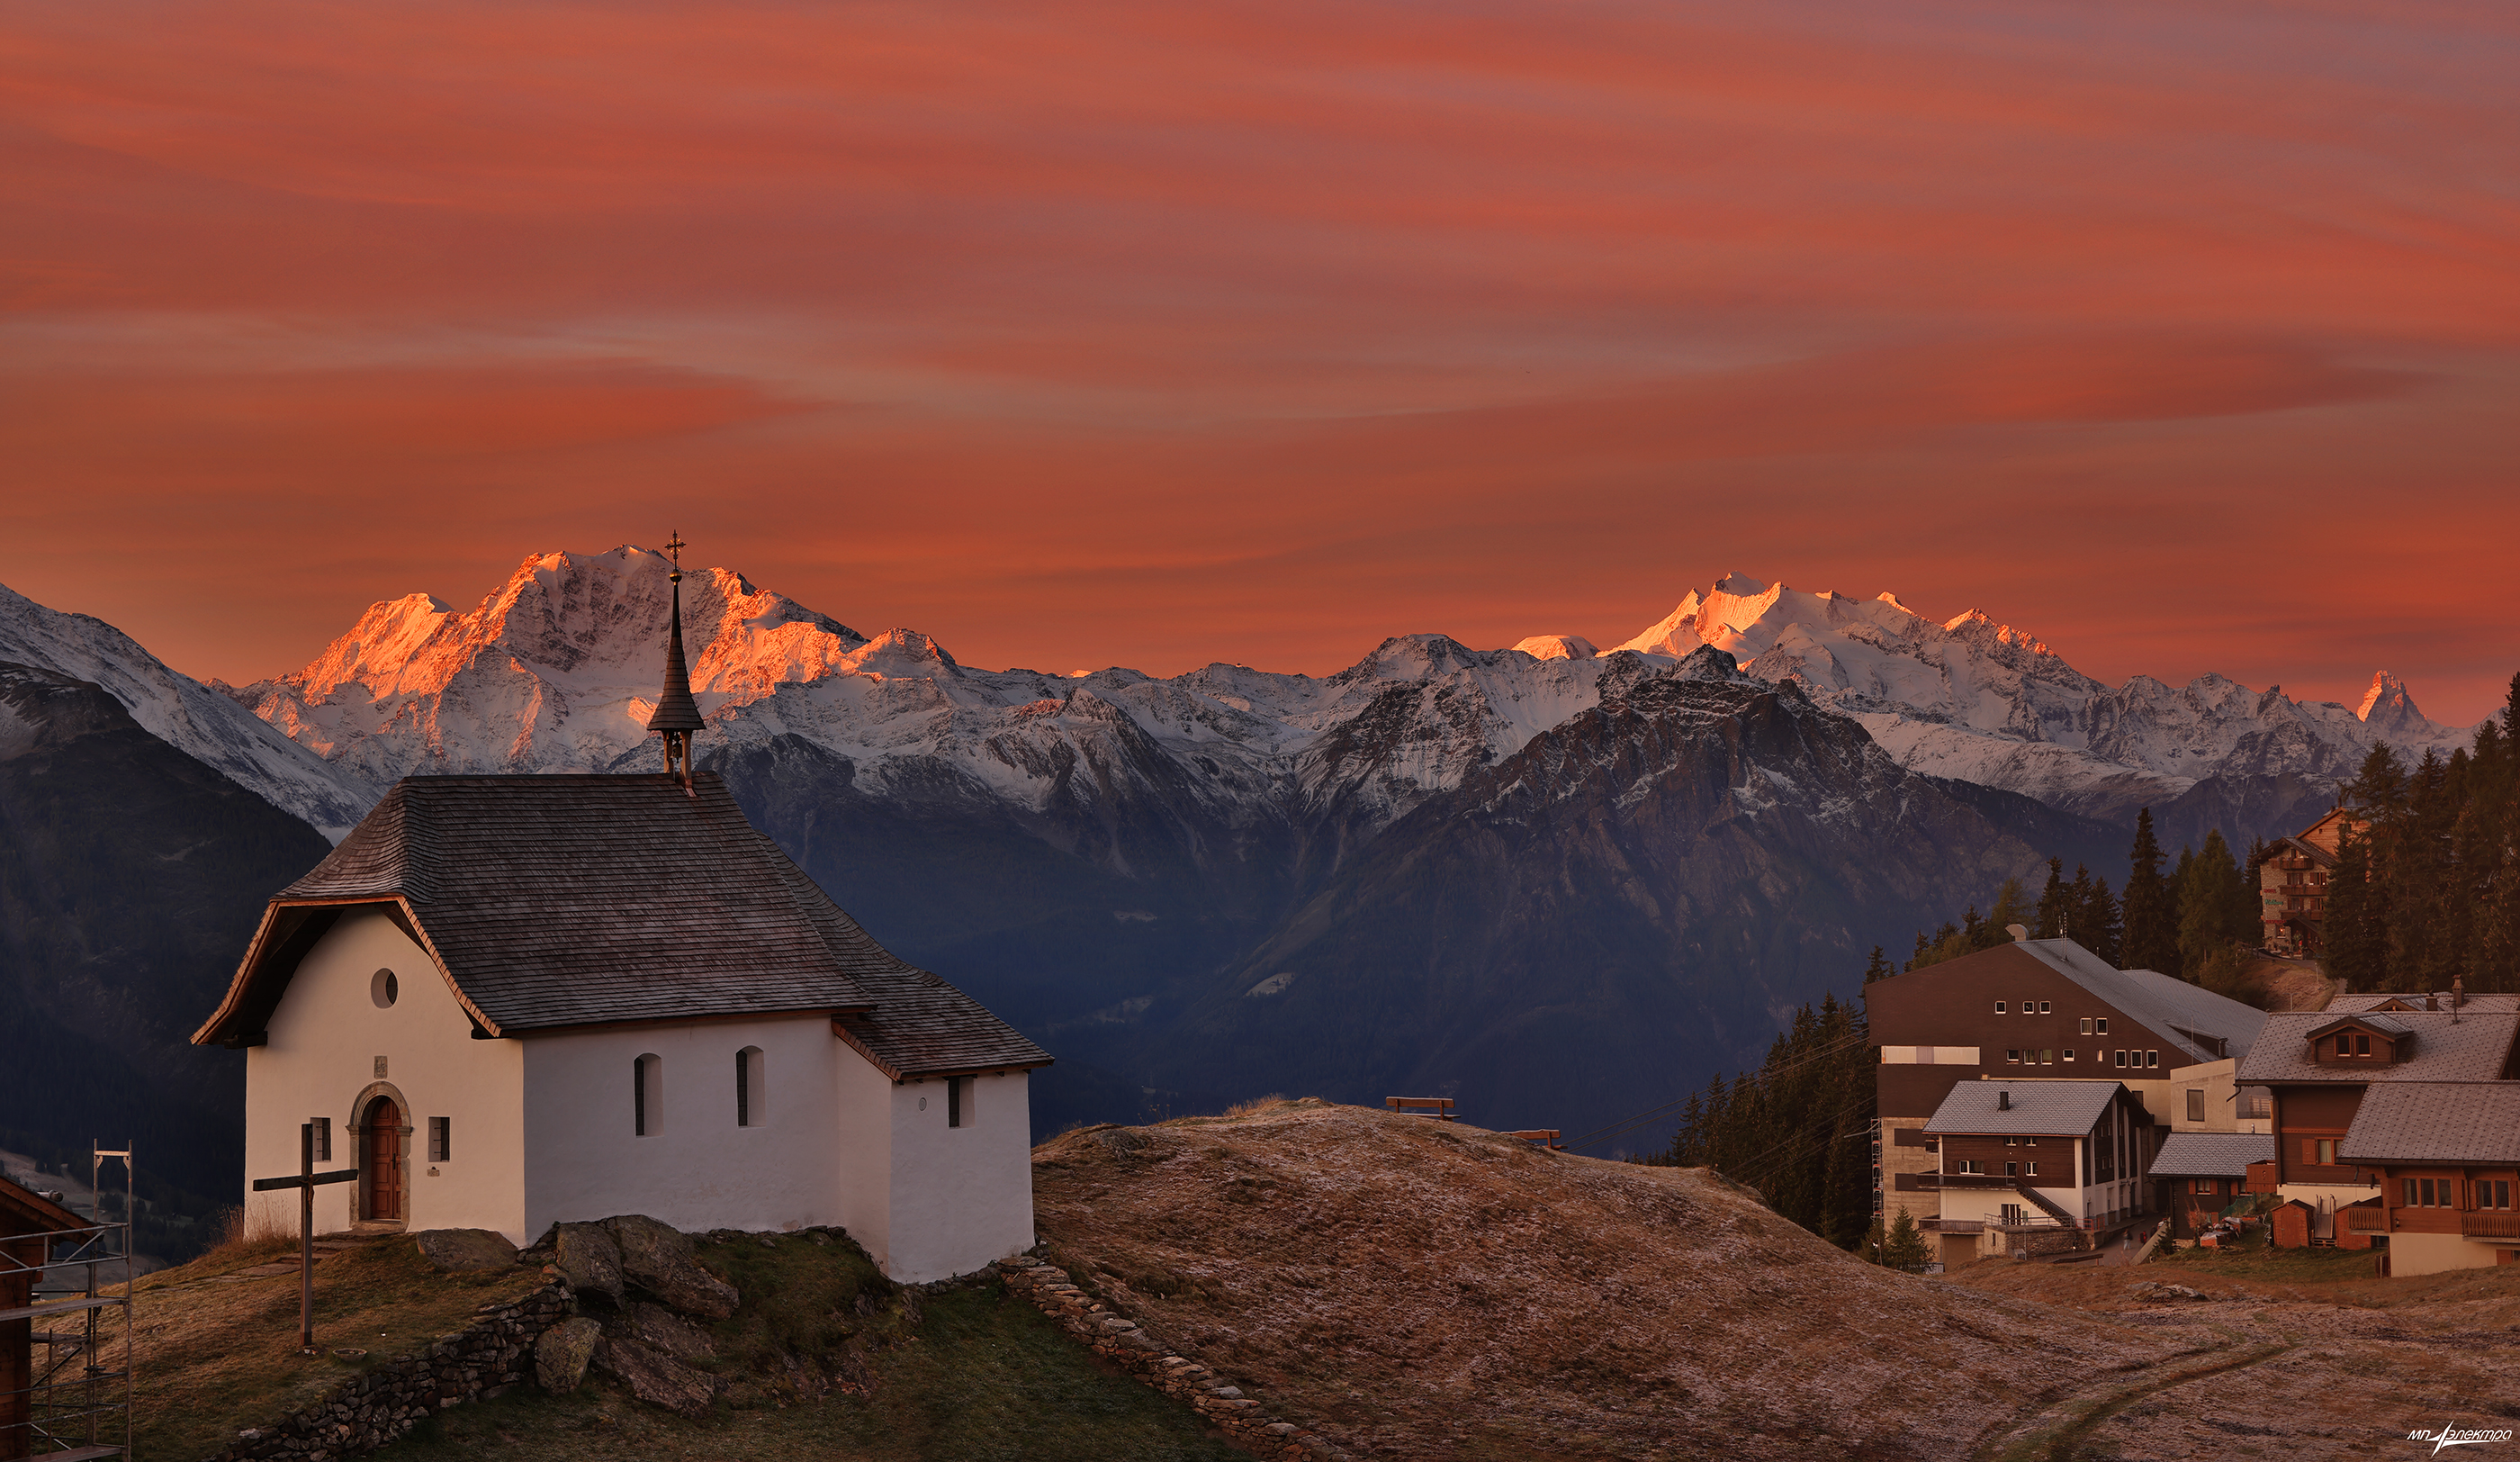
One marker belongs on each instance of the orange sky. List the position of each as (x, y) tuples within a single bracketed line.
[(2186, 335)]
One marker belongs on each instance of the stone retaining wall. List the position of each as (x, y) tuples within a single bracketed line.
[(496, 1351), (1118, 1338)]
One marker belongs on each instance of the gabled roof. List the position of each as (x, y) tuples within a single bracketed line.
[(2436, 1122), (2207, 1154), (553, 902), (2470, 1045), (2318, 855), (25, 1211), (2177, 1011), (2366, 1019), (2038, 1109)]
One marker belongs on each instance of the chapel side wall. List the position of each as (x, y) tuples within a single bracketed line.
[(962, 1196), (323, 1045), (697, 1169), (861, 1098)]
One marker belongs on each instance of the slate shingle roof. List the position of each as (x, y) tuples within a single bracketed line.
[(2039, 1109), (562, 901), (2471, 1047), (2208, 1155), (2502, 1003), (2436, 1122)]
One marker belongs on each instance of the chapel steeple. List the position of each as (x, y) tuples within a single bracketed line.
[(677, 715)]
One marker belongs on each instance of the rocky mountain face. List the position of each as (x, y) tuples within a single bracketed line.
[(1186, 885), (131, 875), (183, 712)]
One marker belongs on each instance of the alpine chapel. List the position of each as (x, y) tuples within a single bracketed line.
[(512, 1001)]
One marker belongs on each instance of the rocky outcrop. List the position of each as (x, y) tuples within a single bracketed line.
[(466, 1251), (587, 1253), (655, 1377), (562, 1355), (661, 1260)]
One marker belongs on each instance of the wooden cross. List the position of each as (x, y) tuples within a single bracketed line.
[(305, 1180)]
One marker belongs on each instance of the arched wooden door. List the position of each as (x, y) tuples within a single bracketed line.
[(381, 1176)]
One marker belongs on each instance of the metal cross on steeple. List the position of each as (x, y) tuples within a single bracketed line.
[(674, 546)]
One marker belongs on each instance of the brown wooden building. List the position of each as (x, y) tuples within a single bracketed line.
[(24, 1218), (2032, 1010), (2436, 1083), (2196, 1175), (2292, 886)]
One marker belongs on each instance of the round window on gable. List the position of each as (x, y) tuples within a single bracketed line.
[(383, 987)]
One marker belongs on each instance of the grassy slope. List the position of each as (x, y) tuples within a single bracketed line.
[(970, 1373), (212, 1358)]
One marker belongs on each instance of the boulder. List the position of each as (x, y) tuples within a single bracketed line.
[(562, 1355), (589, 1259), (659, 1327), (656, 1378), (660, 1260), (466, 1251)]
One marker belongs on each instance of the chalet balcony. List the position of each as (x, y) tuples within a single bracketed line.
[(2366, 1220), (2500, 1224)]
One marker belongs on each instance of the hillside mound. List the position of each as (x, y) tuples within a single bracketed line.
[(1415, 1289)]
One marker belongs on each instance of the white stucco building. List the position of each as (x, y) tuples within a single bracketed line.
[(515, 1001)]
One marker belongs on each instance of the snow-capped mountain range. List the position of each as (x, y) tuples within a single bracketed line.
[(554, 672)]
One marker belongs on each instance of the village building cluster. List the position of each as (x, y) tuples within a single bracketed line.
[(2035, 1099)]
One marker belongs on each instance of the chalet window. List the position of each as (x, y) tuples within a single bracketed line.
[(648, 1095), (2029, 1142), (2087, 1025), (2045, 1007), (2012, 1053), (2100, 1025), (2361, 1045), (751, 1109), (2013, 1169), (2344, 1044), (2323, 1152), (2205, 1187), (2069, 1053), (2034, 1169), (2047, 1056), (2195, 1104), (1971, 1164), (2011, 1142), (1999, 1007), (440, 1143), (2492, 1193), (2152, 1058), (323, 1139)]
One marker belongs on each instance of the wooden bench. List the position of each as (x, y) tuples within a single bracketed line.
[(1542, 1136), (1438, 1107)]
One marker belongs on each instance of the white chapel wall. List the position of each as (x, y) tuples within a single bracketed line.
[(696, 1169), (960, 1196), (326, 1039)]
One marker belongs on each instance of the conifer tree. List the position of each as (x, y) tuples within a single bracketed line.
[(2097, 927), (1902, 1248), (2207, 885), (2151, 921), (2055, 904), (1877, 967), (2358, 923)]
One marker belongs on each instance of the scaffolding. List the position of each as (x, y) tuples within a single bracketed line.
[(77, 1404)]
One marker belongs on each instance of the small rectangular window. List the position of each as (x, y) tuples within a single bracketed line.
[(2361, 1045), (2344, 1044), (2409, 1200), (2195, 1104), (1999, 1007), (2011, 1142), (2012, 1053), (2034, 1169), (438, 1139), (2087, 1025), (2069, 1053), (2326, 1152), (323, 1139), (2121, 1059), (2152, 1058), (2103, 1025), (958, 1102), (2047, 1056), (2045, 1007), (2029, 1142)]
